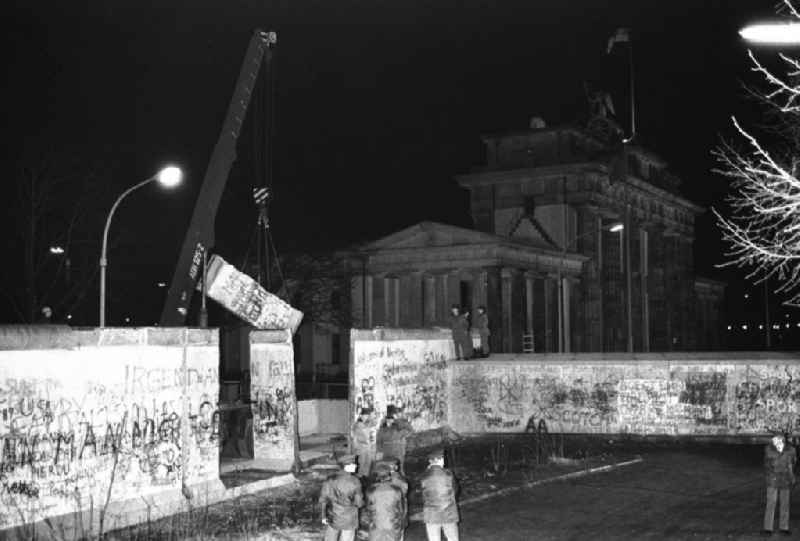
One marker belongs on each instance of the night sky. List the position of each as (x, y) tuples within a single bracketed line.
[(378, 105)]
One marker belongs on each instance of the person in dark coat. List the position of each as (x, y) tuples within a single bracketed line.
[(439, 507), (779, 462), (391, 440), (459, 327), (339, 500), (391, 467), (481, 325), (385, 510), (360, 435)]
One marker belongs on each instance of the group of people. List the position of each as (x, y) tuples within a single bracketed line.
[(462, 335), (378, 488)]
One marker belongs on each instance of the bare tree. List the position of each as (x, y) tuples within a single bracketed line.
[(763, 226), (54, 216)]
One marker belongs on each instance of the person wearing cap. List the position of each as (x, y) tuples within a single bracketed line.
[(439, 507), (481, 325), (391, 441), (385, 508), (339, 500), (360, 435), (459, 327), (779, 463)]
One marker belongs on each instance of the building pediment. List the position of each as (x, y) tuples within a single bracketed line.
[(430, 235)]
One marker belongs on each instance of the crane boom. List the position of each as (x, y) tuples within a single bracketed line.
[(200, 235)]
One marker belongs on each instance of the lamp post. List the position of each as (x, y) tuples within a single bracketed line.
[(168, 177)]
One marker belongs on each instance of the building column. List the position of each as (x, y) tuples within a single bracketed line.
[(411, 300), (379, 301), (429, 313), (494, 308), (529, 300), (566, 314), (453, 289)]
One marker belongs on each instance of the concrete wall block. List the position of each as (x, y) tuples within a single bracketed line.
[(17, 337), (73, 419), (270, 337), (698, 395), (111, 336), (274, 405), (410, 374)]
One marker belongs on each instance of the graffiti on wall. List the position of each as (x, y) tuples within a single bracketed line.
[(689, 399), (410, 375), (60, 439), (273, 402)]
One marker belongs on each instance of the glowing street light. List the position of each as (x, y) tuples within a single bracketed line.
[(776, 33), (57, 250), (169, 177), (616, 228)]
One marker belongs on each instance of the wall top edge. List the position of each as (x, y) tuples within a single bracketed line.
[(390, 333), (279, 336), (717, 357), (24, 337)]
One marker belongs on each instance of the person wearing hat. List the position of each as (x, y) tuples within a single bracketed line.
[(459, 327), (439, 507), (360, 436), (385, 508), (779, 462), (392, 436), (481, 325), (339, 501)]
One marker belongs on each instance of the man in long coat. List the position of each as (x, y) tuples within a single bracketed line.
[(439, 507), (339, 501), (779, 462), (385, 510)]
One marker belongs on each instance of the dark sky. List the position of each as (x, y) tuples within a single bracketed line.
[(378, 103)]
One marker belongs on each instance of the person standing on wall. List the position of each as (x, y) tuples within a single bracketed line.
[(360, 441), (465, 336), (481, 325), (339, 500), (391, 441), (439, 507), (385, 509), (455, 329), (779, 462)]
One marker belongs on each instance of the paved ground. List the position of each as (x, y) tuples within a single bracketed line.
[(710, 493)]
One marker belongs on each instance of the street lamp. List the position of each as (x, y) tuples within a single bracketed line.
[(776, 33), (169, 177)]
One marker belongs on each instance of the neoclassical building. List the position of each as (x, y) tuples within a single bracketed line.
[(578, 246)]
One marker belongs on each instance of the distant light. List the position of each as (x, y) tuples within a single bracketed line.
[(798, 324), (127, 320), (776, 33), (57, 250), (69, 316), (760, 327), (730, 328), (787, 325), (776, 327), (744, 327), (169, 177), (616, 228), (746, 296), (162, 284)]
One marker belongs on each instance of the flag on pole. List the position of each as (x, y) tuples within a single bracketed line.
[(620, 36)]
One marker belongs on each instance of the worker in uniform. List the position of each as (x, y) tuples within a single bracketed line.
[(385, 507), (439, 507), (339, 501)]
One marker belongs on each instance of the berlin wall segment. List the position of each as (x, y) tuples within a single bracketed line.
[(725, 397), (274, 403), (69, 417), (407, 369)]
